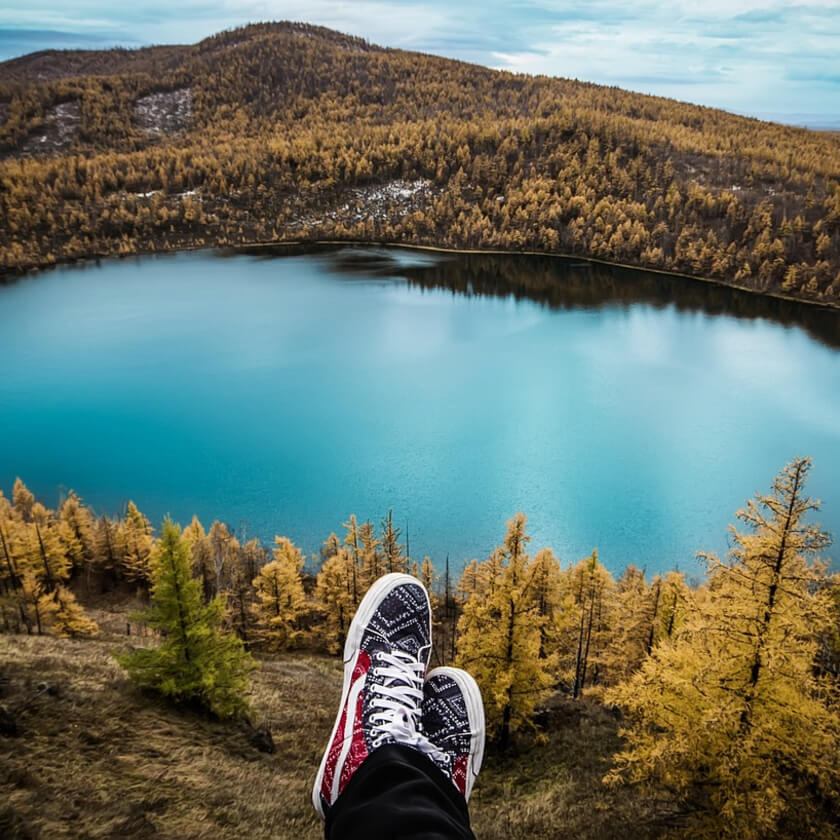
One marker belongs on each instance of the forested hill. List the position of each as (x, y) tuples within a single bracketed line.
[(289, 132)]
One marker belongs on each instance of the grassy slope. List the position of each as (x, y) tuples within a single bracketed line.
[(99, 759)]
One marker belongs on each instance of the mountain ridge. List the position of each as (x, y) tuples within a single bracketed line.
[(282, 125)]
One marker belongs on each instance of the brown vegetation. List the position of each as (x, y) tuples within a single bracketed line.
[(94, 757), (291, 131)]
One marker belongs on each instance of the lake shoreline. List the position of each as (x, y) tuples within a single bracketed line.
[(12, 276)]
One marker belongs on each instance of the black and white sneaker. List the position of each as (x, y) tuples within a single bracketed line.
[(385, 659), (453, 720)]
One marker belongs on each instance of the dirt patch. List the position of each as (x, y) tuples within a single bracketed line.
[(56, 132), (167, 112)]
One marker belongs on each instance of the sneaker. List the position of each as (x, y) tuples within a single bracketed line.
[(385, 659), (453, 720)]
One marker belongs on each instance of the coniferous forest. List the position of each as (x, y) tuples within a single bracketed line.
[(288, 132), (726, 691)]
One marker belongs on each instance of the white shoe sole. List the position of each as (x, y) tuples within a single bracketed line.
[(368, 606), (475, 715)]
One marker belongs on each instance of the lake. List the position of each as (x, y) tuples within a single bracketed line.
[(280, 393)]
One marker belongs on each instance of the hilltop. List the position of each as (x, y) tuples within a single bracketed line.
[(289, 132)]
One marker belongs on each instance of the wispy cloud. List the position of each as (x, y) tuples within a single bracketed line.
[(753, 56)]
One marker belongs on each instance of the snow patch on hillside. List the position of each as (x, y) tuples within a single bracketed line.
[(57, 131), (375, 201), (164, 113)]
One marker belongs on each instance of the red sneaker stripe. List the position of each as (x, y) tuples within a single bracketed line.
[(361, 668), (459, 773)]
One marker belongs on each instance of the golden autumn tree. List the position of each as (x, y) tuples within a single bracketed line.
[(136, 537), (280, 597), (77, 533), (732, 715), (241, 596), (586, 623), (499, 636), (334, 598), (392, 551), (548, 591), (636, 612), (201, 557), (63, 615), (39, 567)]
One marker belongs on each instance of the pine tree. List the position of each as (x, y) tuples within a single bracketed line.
[(499, 637), (197, 662), (281, 600), (731, 714)]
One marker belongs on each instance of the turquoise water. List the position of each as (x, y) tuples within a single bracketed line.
[(282, 394)]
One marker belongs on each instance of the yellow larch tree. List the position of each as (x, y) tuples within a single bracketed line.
[(334, 598), (676, 599), (137, 539), (636, 615), (76, 526), (250, 558), (224, 548), (201, 558), (352, 540), (586, 623), (548, 591), (281, 599), (499, 637), (372, 561), (731, 715), (109, 549), (392, 551)]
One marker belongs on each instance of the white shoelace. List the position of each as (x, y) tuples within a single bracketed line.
[(397, 702)]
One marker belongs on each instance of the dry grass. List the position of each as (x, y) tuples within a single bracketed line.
[(95, 758)]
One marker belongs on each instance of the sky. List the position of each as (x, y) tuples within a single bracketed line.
[(765, 58)]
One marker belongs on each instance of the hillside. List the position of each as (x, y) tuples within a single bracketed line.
[(279, 132), (94, 757)]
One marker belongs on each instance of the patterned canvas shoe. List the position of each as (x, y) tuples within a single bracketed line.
[(385, 659), (453, 720)]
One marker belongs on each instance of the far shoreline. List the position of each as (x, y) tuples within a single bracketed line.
[(8, 277)]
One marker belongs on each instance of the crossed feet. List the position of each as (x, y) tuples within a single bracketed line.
[(389, 697)]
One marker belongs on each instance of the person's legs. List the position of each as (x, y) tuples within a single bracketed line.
[(400, 794), (386, 771)]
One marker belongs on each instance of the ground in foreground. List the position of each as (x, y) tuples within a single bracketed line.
[(93, 757)]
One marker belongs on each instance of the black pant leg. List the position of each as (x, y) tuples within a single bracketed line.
[(397, 793)]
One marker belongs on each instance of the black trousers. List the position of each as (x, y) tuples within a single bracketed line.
[(398, 794)]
